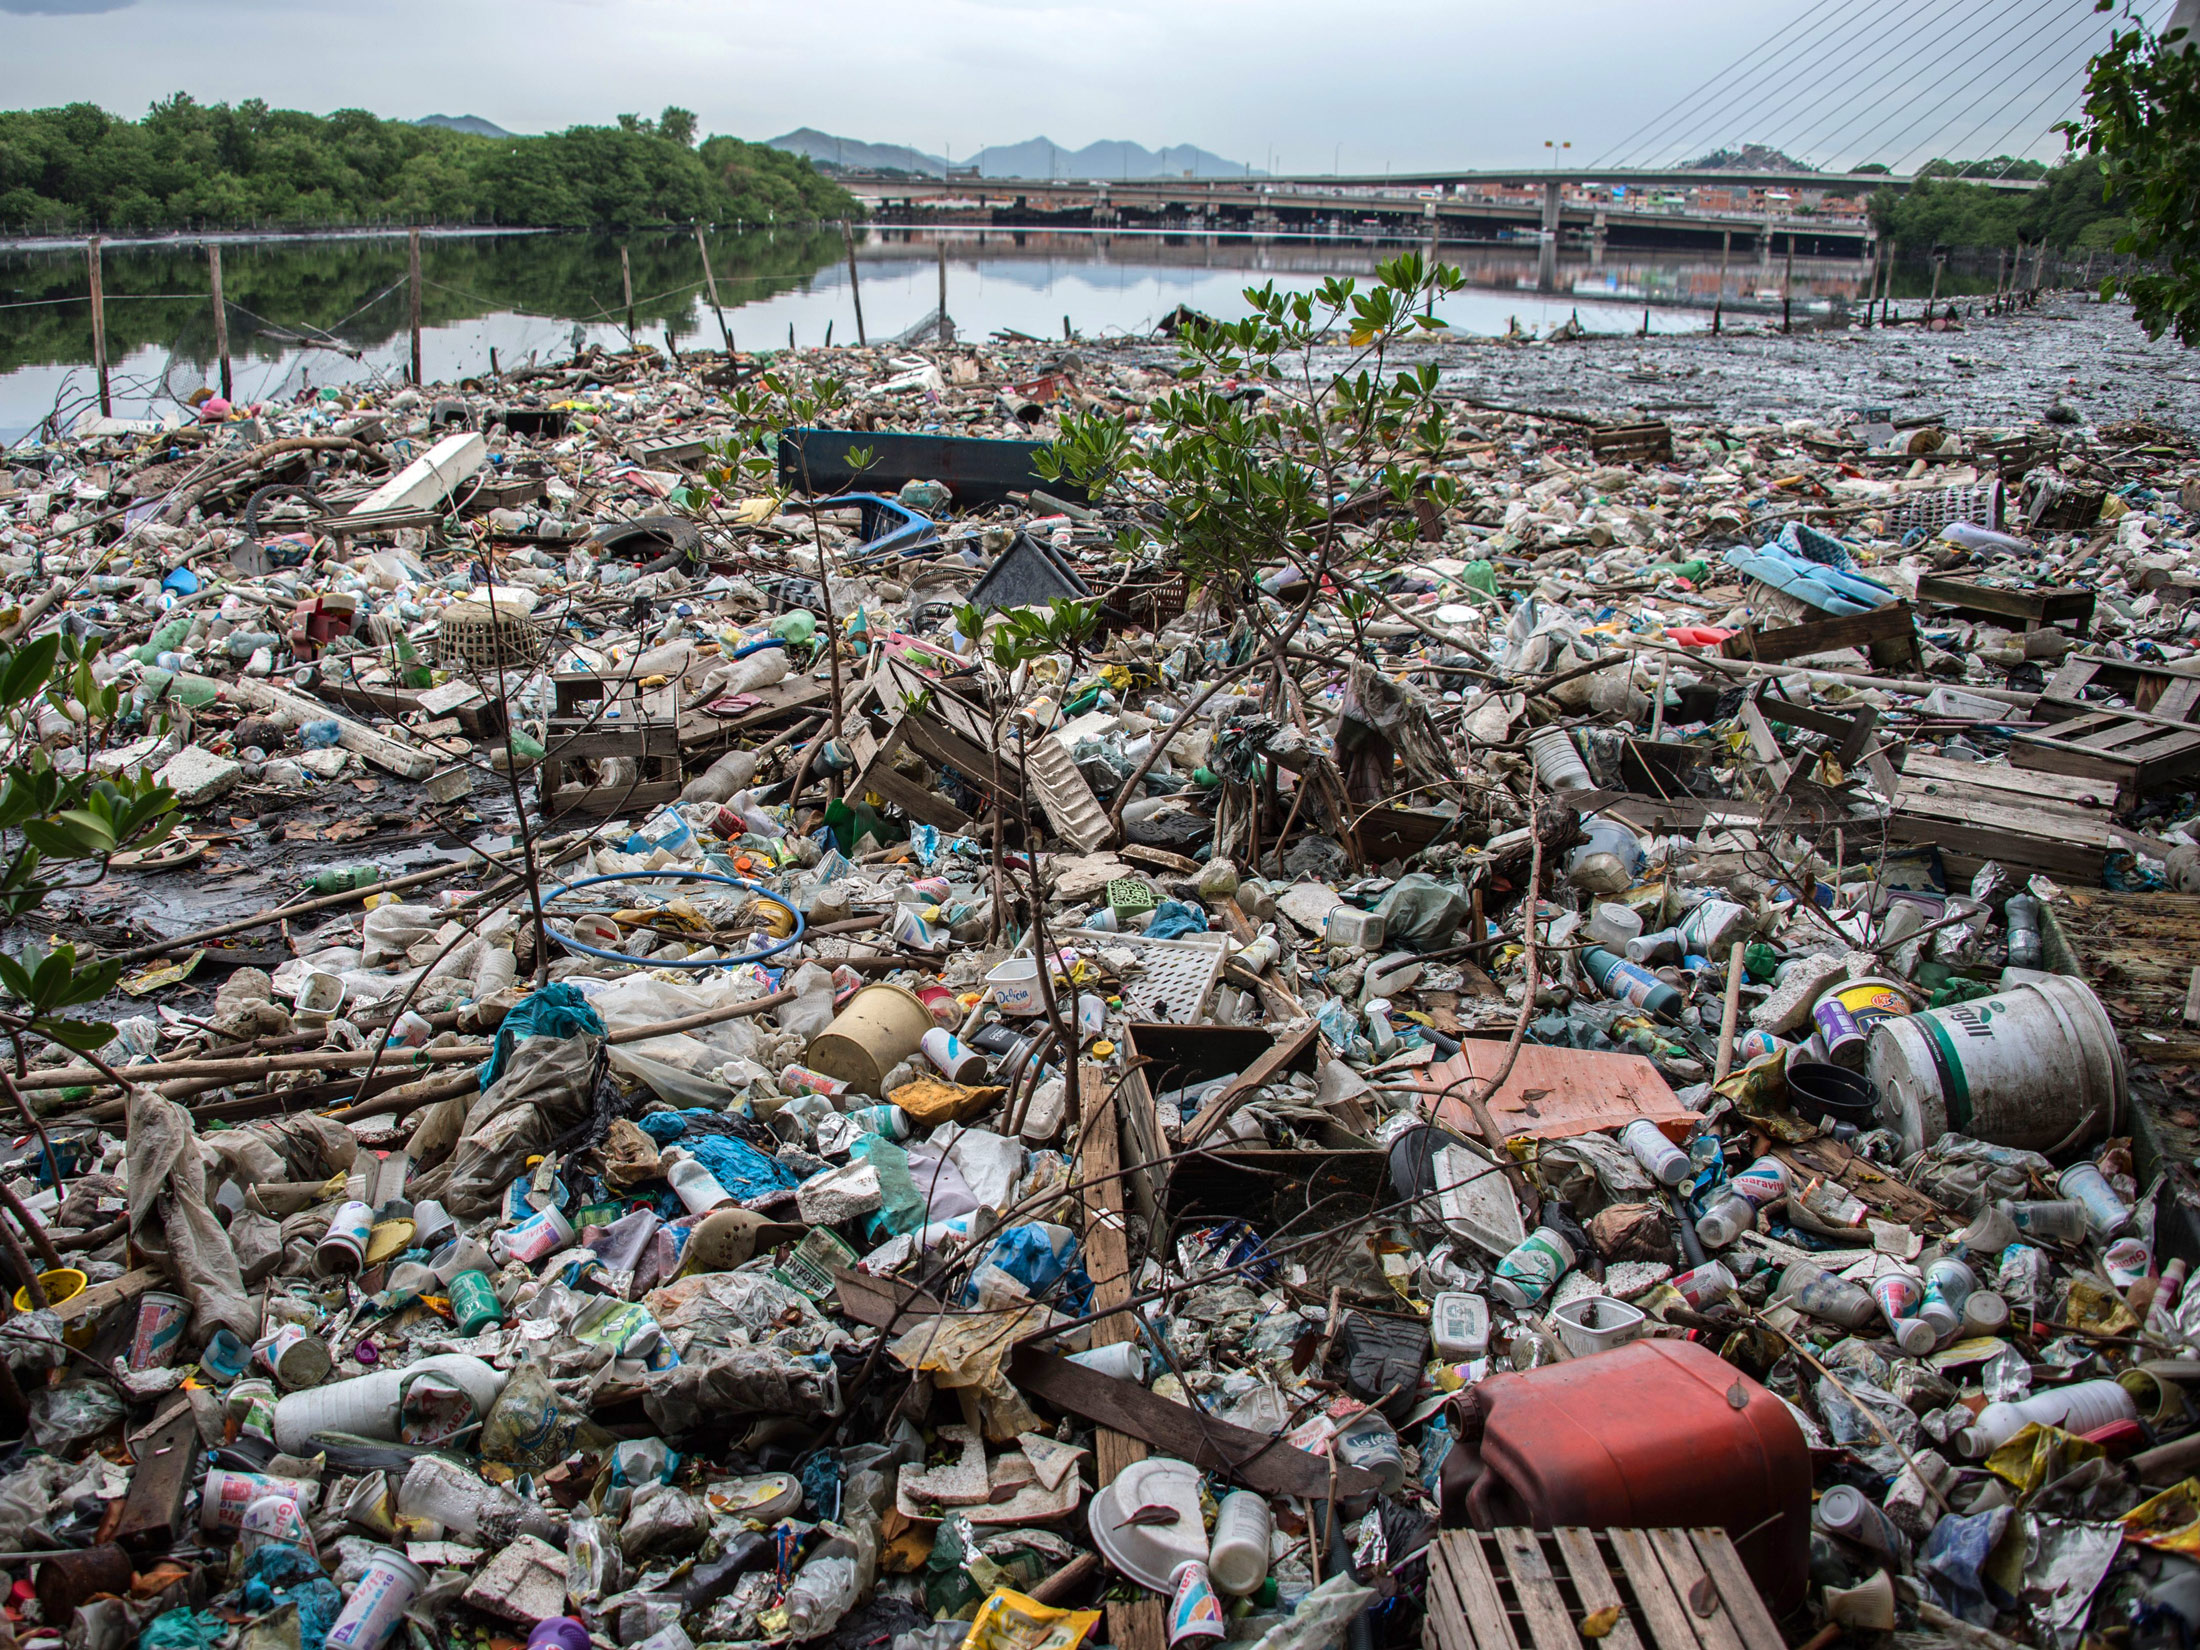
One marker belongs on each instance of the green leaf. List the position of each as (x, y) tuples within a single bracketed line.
[(84, 1036), (28, 669)]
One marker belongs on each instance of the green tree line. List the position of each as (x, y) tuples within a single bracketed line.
[(2066, 213), (189, 165), (278, 290)]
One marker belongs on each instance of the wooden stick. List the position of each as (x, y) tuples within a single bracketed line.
[(848, 235), (99, 326), (221, 314), (711, 281), (1729, 1014), (412, 271)]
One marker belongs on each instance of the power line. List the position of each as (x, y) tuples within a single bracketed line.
[(1866, 65), (1743, 117), (1825, 140), (1610, 155), (2018, 46), (1768, 76), (2055, 69)]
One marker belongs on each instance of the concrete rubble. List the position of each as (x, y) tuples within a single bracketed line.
[(664, 1094)]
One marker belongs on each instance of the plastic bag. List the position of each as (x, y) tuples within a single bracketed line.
[(393, 930), (663, 1521), (543, 1092), (812, 1009), (593, 1569)]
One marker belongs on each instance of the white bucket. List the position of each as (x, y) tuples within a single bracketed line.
[(2036, 1067), (1015, 986), (1597, 1323), (320, 992)]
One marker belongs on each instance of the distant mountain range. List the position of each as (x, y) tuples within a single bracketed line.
[(1036, 158), (464, 123)]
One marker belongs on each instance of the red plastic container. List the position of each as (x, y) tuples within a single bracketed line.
[(1655, 1434)]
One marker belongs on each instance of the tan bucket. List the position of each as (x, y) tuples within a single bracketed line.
[(882, 1026)]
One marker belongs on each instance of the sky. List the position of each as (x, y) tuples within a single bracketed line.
[(1291, 85)]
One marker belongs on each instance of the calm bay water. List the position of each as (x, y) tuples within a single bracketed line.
[(320, 311)]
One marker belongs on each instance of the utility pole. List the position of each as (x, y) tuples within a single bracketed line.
[(626, 279)]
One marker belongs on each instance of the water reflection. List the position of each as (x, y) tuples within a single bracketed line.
[(321, 311)]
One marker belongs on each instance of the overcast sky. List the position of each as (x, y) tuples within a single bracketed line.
[(1402, 83)]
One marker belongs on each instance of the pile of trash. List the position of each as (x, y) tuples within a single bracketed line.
[(874, 1062)]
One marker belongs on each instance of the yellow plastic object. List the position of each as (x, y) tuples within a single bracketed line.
[(387, 1238), (1009, 1620), (63, 1283)]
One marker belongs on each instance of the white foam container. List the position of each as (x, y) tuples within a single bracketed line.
[(1459, 1324)]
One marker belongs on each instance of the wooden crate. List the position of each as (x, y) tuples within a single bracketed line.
[(2029, 609), (593, 719), (1515, 1589), (1632, 443), (1887, 634)]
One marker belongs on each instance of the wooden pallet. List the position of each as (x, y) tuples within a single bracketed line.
[(1632, 443), (1532, 1589), (946, 730), (1887, 634), (1976, 811), (2152, 688), (583, 728), (2030, 609)]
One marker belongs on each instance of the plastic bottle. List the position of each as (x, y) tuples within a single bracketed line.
[(2022, 913), (1729, 1216), (1667, 1163), (697, 1187), (2080, 1407), (464, 1502), (1847, 1512), (345, 878), (166, 639), (730, 773), (823, 1591), (181, 687), (1238, 1557), (1764, 1182), (1623, 982)]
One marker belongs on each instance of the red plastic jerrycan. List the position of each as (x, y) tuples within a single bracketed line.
[(1651, 1435)]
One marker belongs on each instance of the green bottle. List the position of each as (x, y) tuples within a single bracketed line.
[(411, 671), (166, 639), (195, 692), (344, 878)]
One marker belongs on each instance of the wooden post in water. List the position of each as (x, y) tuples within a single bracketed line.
[(1871, 285), (848, 238), (1718, 303), (711, 281), (947, 327), (2001, 268), (221, 314), (99, 326), (412, 267), (1940, 262), (626, 279), (1787, 287)]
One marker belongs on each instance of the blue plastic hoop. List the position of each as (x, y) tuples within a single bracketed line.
[(792, 939)]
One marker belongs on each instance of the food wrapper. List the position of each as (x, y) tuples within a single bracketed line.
[(1009, 1620)]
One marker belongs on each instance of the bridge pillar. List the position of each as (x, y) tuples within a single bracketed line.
[(1546, 266), (1597, 231)]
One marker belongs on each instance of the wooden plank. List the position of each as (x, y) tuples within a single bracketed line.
[(1250, 1081), (1593, 1581), (1991, 776), (1137, 1624), (2191, 1015), (1821, 635), (1550, 1624), (2048, 821), (1670, 1623), (1470, 1571), (1697, 1591), (99, 1296), (1260, 1460), (1446, 1614), (166, 1469), (1751, 1619)]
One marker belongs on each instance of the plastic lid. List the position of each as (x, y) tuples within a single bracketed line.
[(1915, 1336)]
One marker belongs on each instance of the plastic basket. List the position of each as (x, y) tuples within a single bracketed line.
[(473, 637)]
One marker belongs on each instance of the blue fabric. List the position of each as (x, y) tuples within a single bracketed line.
[(1029, 1255), (278, 1573), (1174, 918), (188, 1630), (555, 1011), (738, 1166)]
